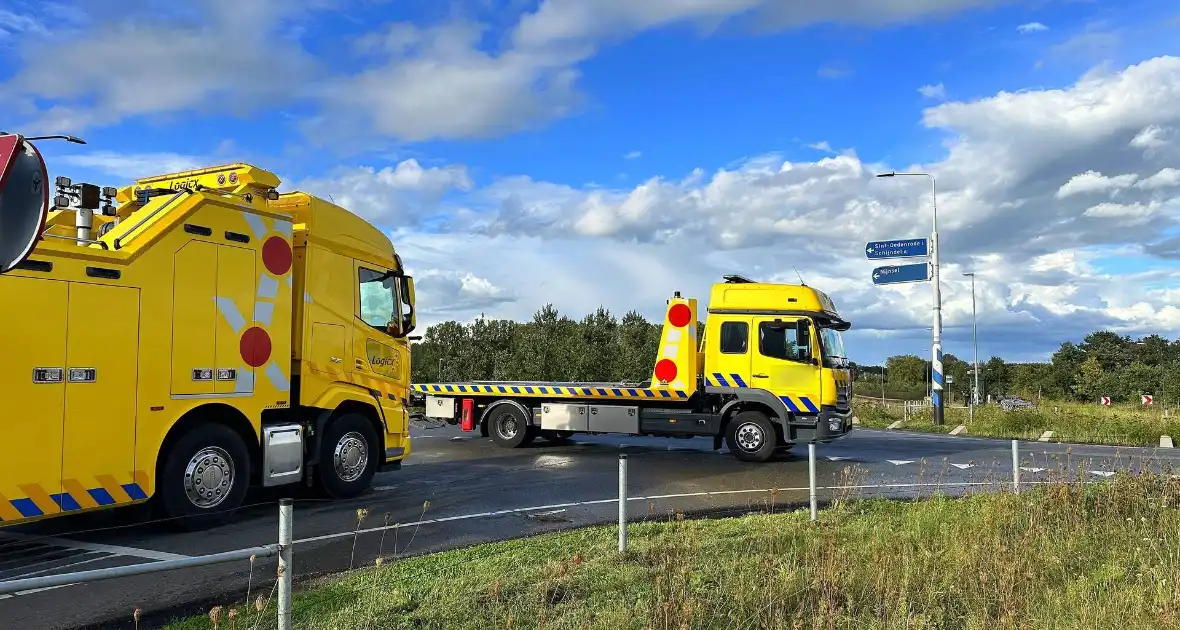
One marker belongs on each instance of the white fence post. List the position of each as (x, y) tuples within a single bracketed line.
[(811, 475), (622, 504), (1015, 466), (286, 536)]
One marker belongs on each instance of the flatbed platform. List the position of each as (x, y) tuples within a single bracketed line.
[(604, 391)]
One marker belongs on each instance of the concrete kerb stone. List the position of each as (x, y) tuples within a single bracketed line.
[(895, 425), (1045, 437), (959, 430), (1166, 441)]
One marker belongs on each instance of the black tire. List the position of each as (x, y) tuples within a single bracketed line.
[(204, 477), (751, 437), (508, 427), (349, 474)]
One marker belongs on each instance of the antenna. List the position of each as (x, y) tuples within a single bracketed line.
[(24, 199), (801, 282)]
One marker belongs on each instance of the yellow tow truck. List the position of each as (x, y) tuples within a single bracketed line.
[(769, 371), (188, 336)]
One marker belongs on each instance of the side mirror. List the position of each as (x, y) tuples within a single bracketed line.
[(410, 319), (24, 200)]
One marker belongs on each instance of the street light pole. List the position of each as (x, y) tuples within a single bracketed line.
[(936, 372), (974, 352)]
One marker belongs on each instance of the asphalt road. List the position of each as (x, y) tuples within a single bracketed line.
[(457, 490)]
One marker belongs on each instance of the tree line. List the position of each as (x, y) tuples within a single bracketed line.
[(602, 348)]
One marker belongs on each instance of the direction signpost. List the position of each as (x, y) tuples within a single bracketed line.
[(1146, 399), (909, 248), (898, 274), (914, 272)]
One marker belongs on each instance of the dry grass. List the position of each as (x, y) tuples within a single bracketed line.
[(1124, 425), (1062, 556)]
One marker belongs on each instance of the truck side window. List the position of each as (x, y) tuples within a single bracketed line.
[(779, 341), (735, 337), (380, 304)]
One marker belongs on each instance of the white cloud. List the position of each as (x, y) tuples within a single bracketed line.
[(633, 155), (218, 56), (1151, 137), (1024, 201), (1032, 27), (406, 194), (1164, 179), (937, 92), (131, 166), (1094, 182)]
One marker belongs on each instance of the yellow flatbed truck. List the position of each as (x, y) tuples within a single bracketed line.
[(769, 371), (189, 336)]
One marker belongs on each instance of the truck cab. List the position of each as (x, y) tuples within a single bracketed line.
[(782, 339)]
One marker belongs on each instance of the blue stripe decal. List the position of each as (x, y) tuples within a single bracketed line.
[(632, 392), (26, 507), (515, 390), (937, 377), (649, 393), (682, 394), (720, 379), (617, 392), (665, 393), (934, 396), (557, 390), (449, 388), (503, 390), (528, 390), (807, 403), (134, 491), (101, 496), (601, 392), (790, 404), (66, 502), (738, 379)]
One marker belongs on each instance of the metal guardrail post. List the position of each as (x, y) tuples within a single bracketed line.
[(1015, 467), (622, 504), (286, 536), (811, 478)]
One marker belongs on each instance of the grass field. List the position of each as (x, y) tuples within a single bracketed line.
[(1058, 557), (1070, 422)]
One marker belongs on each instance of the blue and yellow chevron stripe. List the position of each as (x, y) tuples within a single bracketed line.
[(565, 391), (717, 379), (39, 502), (797, 404)]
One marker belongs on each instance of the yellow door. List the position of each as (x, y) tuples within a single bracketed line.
[(379, 359), (100, 412), (194, 319), (32, 385), (782, 363), (240, 345), (728, 363)]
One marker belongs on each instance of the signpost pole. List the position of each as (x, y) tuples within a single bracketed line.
[(936, 372)]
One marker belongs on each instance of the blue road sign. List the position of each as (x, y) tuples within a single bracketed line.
[(909, 248), (897, 274)]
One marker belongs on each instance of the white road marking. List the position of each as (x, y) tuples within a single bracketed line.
[(146, 554), (1101, 473), (1031, 469), (899, 462), (963, 466), (836, 458)]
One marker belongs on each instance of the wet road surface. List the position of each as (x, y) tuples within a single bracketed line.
[(478, 492)]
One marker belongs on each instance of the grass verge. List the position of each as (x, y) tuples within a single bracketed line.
[(1069, 422), (1060, 556)]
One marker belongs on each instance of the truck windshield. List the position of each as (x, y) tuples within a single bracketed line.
[(380, 303), (833, 348)]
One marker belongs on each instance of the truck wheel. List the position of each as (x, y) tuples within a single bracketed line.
[(750, 436), (348, 456), (509, 428), (204, 477)]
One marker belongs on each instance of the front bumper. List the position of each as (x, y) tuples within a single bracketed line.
[(828, 425)]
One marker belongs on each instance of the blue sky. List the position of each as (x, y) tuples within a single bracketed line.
[(511, 127)]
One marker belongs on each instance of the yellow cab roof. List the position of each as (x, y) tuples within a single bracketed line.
[(739, 295)]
